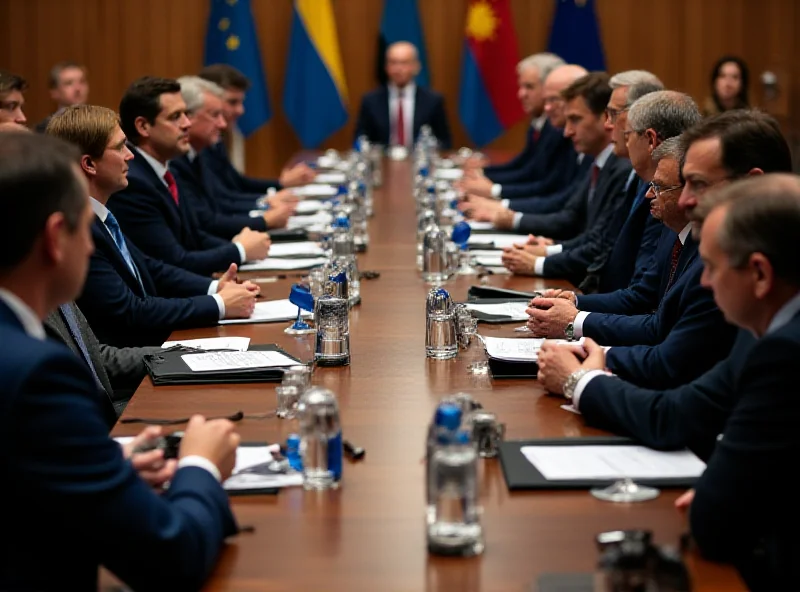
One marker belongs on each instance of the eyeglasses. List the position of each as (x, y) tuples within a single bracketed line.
[(658, 190), (612, 114)]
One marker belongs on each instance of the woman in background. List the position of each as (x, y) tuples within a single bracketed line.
[(729, 81)]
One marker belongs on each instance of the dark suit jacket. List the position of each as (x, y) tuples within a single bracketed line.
[(578, 214), (552, 164), (151, 220), (598, 238), (124, 315), (198, 188), (375, 123), (745, 507), (76, 503), (554, 202), (681, 340), (235, 183), (513, 170), (628, 257)]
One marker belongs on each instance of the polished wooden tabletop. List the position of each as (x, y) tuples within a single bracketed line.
[(370, 534)]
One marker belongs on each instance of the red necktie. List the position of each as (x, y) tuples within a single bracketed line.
[(401, 120), (535, 135), (595, 174), (673, 262), (172, 186)]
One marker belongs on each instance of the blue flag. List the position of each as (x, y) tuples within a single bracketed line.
[(575, 34), (231, 39), (401, 22)]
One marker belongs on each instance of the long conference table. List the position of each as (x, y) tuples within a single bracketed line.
[(370, 534)]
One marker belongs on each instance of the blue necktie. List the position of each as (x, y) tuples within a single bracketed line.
[(72, 324), (119, 240)]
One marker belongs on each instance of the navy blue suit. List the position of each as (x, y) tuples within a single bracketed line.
[(514, 170), (198, 189), (745, 509), (682, 339), (554, 202), (552, 164), (629, 257), (150, 218), (123, 315), (75, 503), (375, 123), (230, 180)]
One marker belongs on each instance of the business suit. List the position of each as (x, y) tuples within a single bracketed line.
[(552, 165), (682, 339), (629, 256), (197, 189), (580, 213), (126, 313), (163, 230), (745, 510), (119, 370), (232, 180), (514, 170), (76, 503), (554, 202), (374, 120)]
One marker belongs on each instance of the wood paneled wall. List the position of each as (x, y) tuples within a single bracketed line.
[(120, 40)]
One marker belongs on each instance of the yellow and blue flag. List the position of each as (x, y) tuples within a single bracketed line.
[(231, 39), (315, 92)]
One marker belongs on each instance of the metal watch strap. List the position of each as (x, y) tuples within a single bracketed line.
[(569, 331), (572, 381)]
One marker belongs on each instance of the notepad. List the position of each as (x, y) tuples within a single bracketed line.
[(514, 310), (271, 311), (500, 241), (448, 174), (315, 190), (309, 221), (569, 463), (309, 248), (333, 178), (278, 264), (519, 349), (309, 206), (234, 343), (225, 360)]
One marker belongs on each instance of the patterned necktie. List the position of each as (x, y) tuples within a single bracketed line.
[(401, 120), (119, 240), (172, 186), (673, 262), (72, 324)]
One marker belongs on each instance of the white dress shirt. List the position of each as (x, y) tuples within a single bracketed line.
[(161, 169), (409, 97), (24, 313)]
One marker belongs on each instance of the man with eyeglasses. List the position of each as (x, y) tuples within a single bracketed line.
[(11, 99), (659, 346)]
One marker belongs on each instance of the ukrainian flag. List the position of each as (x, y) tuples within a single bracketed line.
[(315, 92)]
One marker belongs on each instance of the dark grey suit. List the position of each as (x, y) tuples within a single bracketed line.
[(120, 370)]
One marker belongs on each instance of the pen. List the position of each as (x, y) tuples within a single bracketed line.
[(353, 452)]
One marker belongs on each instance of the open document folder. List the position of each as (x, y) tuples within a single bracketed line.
[(271, 311)]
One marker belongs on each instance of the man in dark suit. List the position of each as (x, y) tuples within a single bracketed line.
[(150, 210), (228, 182), (11, 99), (741, 416), (393, 114), (68, 86), (129, 298), (204, 107), (70, 479)]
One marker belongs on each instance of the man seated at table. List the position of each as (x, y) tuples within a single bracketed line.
[(72, 501), (11, 99), (395, 113), (129, 298), (742, 416), (68, 86), (228, 182), (150, 210)]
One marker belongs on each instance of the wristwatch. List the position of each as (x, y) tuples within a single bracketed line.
[(569, 331), (572, 381)]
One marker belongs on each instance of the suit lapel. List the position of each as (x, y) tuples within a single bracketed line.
[(384, 115), (112, 251)]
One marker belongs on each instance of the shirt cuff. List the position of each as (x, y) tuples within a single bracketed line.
[(538, 266), (220, 304), (213, 287), (242, 253), (200, 462), (517, 220), (505, 203), (577, 324), (553, 249), (585, 380), (497, 190)]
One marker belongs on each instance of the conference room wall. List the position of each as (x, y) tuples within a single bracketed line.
[(120, 40)]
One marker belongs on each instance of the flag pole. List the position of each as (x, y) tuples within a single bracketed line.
[(237, 150)]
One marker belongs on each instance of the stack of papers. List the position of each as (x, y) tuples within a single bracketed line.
[(233, 343), (318, 219), (277, 264), (448, 174), (500, 241), (332, 178), (315, 190), (494, 260), (519, 349), (310, 206), (238, 360), (306, 248), (269, 312), (514, 310)]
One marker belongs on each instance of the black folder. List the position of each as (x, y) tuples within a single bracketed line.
[(288, 235), (500, 294), (168, 368), (512, 369), (495, 319), (520, 474)]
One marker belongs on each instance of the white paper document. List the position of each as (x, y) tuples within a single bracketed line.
[(309, 221), (278, 264), (271, 311), (255, 468), (449, 174), (519, 349), (309, 206), (515, 310), (215, 361), (565, 463), (234, 343), (333, 178), (315, 190), (496, 270), (327, 162), (500, 241), (475, 225), (495, 260), (308, 248)]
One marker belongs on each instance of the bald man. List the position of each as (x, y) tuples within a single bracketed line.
[(392, 115)]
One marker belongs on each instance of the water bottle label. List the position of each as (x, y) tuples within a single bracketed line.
[(335, 456)]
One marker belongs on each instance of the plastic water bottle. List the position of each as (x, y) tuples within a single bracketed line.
[(441, 431), (293, 452), (454, 528), (343, 253), (320, 439)]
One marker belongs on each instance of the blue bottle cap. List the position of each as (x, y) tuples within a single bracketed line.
[(338, 278), (441, 292), (423, 171), (301, 297), (463, 437), (448, 416), (293, 441), (341, 221), (341, 190), (461, 233)]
